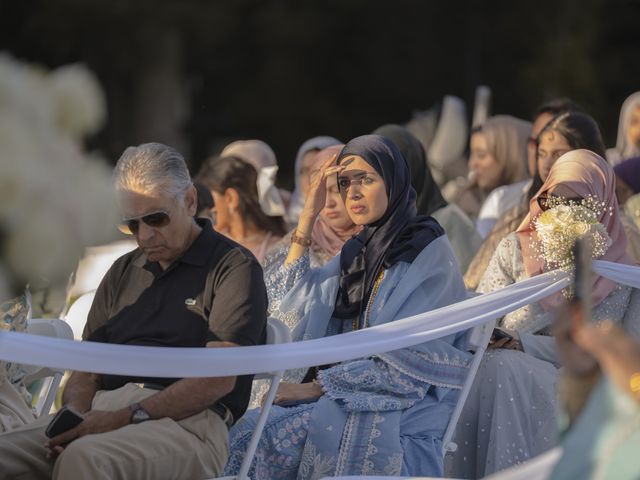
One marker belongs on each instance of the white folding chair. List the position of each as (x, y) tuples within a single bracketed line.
[(76, 317), (478, 341), (277, 332), (47, 327)]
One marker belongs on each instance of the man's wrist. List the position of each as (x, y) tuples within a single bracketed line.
[(137, 414), (78, 406)]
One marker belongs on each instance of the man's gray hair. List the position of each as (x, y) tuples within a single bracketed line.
[(151, 166)]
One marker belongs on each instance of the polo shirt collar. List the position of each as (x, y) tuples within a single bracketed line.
[(200, 250), (197, 253)]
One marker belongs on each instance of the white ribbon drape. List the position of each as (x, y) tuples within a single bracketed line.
[(211, 362), (619, 273)]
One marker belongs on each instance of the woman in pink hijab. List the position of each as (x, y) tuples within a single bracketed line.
[(333, 227), (510, 414), (580, 174)]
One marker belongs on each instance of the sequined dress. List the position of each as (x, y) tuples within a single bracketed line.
[(510, 414)]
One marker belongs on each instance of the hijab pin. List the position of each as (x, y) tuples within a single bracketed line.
[(190, 302)]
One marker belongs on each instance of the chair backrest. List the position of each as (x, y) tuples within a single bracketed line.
[(76, 317), (45, 327), (277, 332), (478, 340)]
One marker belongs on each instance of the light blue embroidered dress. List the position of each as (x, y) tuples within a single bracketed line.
[(383, 415)]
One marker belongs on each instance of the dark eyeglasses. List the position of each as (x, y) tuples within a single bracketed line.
[(549, 201), (130, 226)]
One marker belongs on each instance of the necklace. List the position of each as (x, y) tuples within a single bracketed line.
[(367, 312)]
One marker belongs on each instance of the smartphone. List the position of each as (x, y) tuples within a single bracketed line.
[(582, 283), (499, 334), (66, 419)]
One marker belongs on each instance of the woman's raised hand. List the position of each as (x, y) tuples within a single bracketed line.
[(314, 203), (317, 193)]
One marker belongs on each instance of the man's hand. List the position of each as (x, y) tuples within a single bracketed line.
[(95, 421)]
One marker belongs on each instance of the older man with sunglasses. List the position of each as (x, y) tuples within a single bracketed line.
[(185, 286)]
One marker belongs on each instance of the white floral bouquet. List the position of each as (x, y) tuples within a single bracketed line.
[(562, 224), (55, 198)]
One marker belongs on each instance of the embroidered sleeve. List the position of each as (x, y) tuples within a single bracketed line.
[(371, 385), (280, 278), (499, 272)]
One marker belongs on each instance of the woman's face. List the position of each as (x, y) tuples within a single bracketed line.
[(483, 164), (306, 166), (551, 146), (222, 212), (633, 129), (334, 212), (363, 191)]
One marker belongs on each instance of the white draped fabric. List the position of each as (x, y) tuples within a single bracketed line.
[(204, 362)]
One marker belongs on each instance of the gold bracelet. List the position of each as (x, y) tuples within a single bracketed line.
[(304, 241)]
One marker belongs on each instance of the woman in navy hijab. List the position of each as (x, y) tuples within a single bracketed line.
[(385, 414)]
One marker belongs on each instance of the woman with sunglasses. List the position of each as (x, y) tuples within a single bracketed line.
[(510, 413), (385, 414)]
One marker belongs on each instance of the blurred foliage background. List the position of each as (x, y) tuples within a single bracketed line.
[(198, 73)]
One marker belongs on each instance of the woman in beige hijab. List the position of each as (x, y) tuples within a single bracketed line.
[(498, 166)]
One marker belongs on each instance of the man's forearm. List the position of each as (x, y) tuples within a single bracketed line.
[(80, 390), (187, 397)]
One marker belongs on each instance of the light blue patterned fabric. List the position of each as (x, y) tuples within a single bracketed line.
[(383, 415), (14, 315)]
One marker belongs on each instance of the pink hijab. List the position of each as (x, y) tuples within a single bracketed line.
[(585, 173), (327, 238)]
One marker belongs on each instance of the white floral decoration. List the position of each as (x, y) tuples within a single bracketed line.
[(79, 105), (54, 198), (562, 224)]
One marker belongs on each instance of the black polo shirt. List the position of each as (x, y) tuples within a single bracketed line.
[(214, 292)]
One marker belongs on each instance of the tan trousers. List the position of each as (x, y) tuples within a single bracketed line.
[(193, 448), (14, 411)]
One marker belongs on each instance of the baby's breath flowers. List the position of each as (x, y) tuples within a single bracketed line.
[(562, 224)]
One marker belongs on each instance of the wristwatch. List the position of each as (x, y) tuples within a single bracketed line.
[(138, 414)]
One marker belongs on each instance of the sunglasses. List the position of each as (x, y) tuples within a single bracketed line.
[(549, 201), (130, 226)]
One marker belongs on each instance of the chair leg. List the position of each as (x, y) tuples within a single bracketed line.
[(52, 384), (257, 433)]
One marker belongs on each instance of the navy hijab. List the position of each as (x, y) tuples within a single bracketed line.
[(399, 236)]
